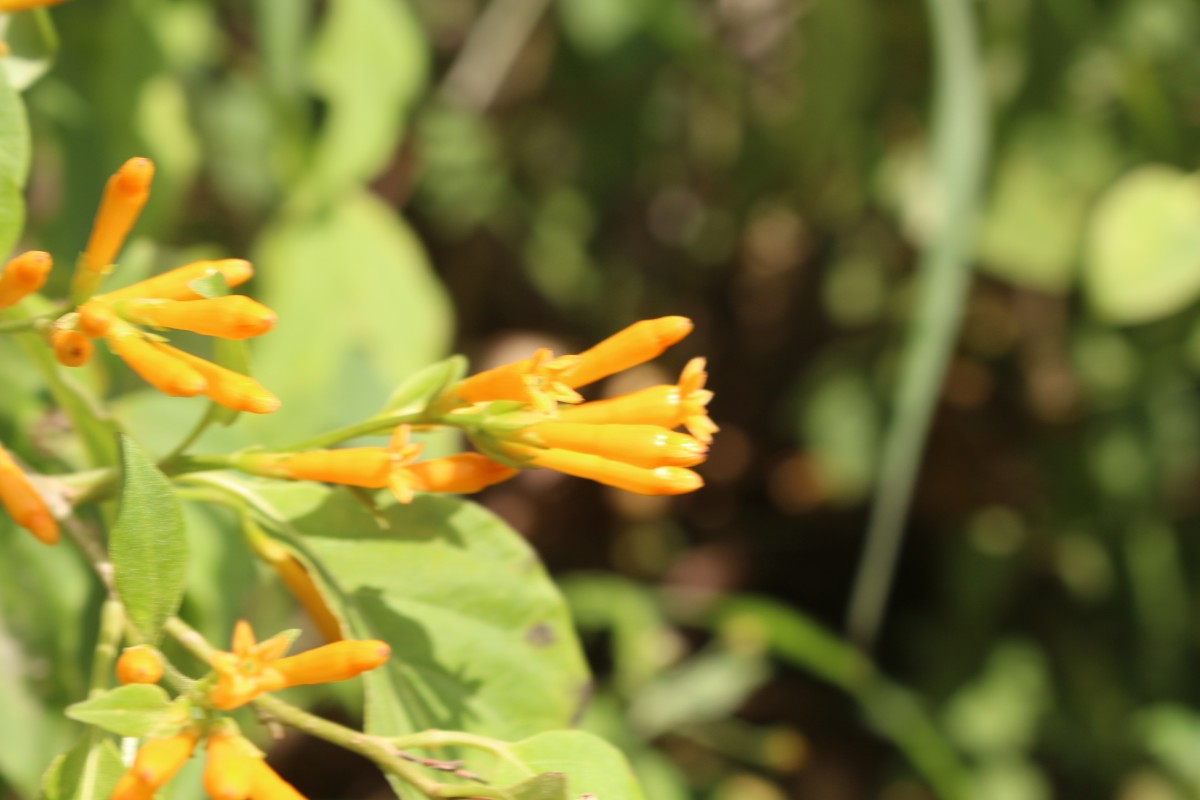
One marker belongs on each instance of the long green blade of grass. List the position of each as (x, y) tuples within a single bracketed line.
[(960, 134)]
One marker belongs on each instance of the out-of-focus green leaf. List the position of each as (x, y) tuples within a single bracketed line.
[(998, 713), (1047, 177), (88, 771), (707, 686), (590, 764), (1171, 734), (368, 63), (840, 428), (1143, 249), (600, 26), (14, 162), (148, 544), (359, 310), (481, 639), (137, 710), (416, 392), (32, 44)]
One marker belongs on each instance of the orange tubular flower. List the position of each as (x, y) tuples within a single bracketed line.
[(296, 578), (627, 348), (229, 769), (140, 664), (329, 663), (158, 367), (252, 669), (232, 317), (224, 386), (124, 196), (618, 474), (156, 763), (23, 502), (464, 473), (71, 348), (265, 784), (647, 446), (23, 276), (669, 406), (175, 284), (249, 670), (537, 381)]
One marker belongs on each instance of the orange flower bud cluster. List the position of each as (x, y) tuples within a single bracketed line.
[(394, 467), (23, 276), (23, 502), (234, 769), (254, 668), (173, 300), (628, 442), (139, 664)]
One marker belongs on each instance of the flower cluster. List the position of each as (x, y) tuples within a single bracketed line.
[(235, 769), (629, 441), (529, 414), (176, 300)]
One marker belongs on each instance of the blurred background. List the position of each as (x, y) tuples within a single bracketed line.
[(419, 178)]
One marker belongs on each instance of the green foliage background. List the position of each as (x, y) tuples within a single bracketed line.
[(406, 189)]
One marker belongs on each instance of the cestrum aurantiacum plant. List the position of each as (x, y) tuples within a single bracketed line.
[(525, 415)]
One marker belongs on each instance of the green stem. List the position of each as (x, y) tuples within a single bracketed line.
[(381, 751), (112, 625), (959, 153), (366, 428), (195, 433), (436, 739), (26, 324)]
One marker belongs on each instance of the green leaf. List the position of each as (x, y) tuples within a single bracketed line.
[(416, 392), (369, 64), (359, 308), (481, 637), (708, 686), (1143, 246), (32, 43), (14, 163), (137, 710), (148, 543), (1047, 177), (547, 786), (590, 764), (88, 771)]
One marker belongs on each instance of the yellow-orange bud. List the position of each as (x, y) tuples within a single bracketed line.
[(9, 6), (228, 771), (267, 785), (23, 502), (627, 348), (333, 662), (458, 474), (124, 196), (173, 284), (140, 664), (368, 467), (231, 317), (160, 368), (669, 406), (296, 578), (641, 445), (159, 759), (130, 788), (71, 348), (23, 276), (618, 474), (95, 318), (226, 387)]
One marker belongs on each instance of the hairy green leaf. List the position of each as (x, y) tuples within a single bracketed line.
[(148, 544), (88, 771), (137, 710)]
